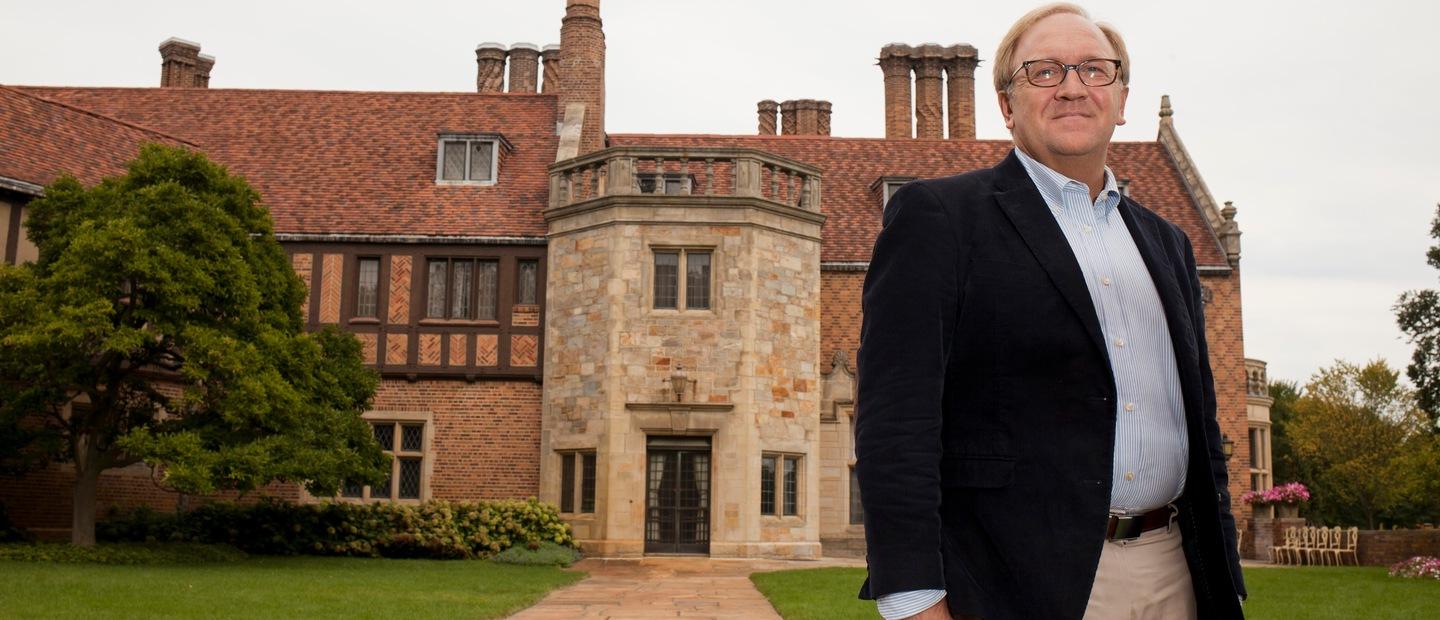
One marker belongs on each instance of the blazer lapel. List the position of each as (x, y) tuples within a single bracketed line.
[(1162, 273), (1026, 209)]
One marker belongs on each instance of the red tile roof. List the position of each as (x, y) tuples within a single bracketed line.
[(364, 162), (850, 165), (40, 138), (355, 162)]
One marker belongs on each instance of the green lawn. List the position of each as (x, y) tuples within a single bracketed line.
[(276, 587), (1308, 592)]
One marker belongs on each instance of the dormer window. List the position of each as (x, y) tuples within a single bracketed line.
[(886, 187), (467, 160)]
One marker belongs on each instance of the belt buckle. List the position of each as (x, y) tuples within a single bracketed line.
[(1124, 527)]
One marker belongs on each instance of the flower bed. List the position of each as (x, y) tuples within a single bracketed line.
[(1418, 567)]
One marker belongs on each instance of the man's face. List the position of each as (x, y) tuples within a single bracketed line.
[(1072, 119)]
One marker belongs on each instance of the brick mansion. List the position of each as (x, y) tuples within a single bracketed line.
[(654, 332)]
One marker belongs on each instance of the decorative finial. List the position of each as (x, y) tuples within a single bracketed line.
[(1165, 111), (1229, 211)]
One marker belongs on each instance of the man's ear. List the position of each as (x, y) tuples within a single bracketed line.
[(1004, 99)]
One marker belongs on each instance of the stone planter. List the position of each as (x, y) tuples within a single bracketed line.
[(1287, 511)]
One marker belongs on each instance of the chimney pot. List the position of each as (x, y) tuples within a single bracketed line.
[(766, 110), (960, 62), (179, 63), (550, 68), (822, 118), (928, 68), (787, 118), (895, 64), (524, 67), (490, 67)]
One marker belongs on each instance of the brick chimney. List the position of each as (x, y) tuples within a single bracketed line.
[(550, 61), (895, 63), (204, 63), (928, 70), (582, 65), (960, 61), (490, 72), (766, 111), (524, 67), (931, 64), (183, 66), (788, 124), (798, 117)]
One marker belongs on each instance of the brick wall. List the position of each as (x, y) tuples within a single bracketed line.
[(1386, 547), (486, 446), (839, 315), (1223, 333), (41, 501), (486, 434)]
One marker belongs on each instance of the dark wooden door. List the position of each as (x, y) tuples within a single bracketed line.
[(677, 495)]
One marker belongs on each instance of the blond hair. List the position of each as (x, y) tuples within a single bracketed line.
[(1006, 65)]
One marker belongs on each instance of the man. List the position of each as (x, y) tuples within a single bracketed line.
[(1036, 432)]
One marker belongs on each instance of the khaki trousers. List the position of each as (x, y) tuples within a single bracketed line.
[(1143, 579)]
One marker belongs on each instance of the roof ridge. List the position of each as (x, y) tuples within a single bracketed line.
[(869, 138), (105, 117), (297, 90)]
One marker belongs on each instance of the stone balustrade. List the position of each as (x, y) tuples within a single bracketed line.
[(682, 172)]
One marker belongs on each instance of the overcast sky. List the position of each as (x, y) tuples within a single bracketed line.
[(1318, 119)]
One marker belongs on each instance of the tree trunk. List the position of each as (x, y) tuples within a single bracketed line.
[(87, 480)]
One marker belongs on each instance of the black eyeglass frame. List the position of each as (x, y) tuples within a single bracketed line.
[(1025, 66)]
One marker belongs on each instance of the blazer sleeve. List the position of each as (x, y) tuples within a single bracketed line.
[(910, 302), (1218, 469)]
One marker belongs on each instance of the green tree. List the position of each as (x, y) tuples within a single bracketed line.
[(162, 302), (1361, 446), (1285, 466), (1418, 314)]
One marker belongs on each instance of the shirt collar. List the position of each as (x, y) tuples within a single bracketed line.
[(1052, 185)]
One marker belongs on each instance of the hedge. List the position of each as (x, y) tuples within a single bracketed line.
[(435, 529)]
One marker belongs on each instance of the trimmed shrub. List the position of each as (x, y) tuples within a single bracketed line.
[(121, 553), (8, 531), (538, 554), (436, 529)]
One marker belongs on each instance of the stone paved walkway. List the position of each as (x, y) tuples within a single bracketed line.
[(666, 587)]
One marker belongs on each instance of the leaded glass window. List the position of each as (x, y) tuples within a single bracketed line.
[(412, 437), (404, 441), (567, 482), (667, 266), (367, 287), (527, 282), (409, 478), (488, 284), (697, 280), (767, 485), (465, 160)]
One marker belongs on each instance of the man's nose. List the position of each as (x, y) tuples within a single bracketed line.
[(1070, 86)]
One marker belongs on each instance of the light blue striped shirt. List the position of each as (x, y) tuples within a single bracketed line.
[(1151, 446)]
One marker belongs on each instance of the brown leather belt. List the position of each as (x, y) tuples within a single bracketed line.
[(1130, 527)]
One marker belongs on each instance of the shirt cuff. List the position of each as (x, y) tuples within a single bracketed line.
[(905, 604)]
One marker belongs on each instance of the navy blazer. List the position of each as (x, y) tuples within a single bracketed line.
[(985, 411)]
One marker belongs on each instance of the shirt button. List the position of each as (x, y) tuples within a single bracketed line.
[(1129, 406), (1105, 281), (1087, 228), (1129, 475), (1119, 342)]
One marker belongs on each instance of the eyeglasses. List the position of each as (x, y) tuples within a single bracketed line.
[(1051, 73)]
